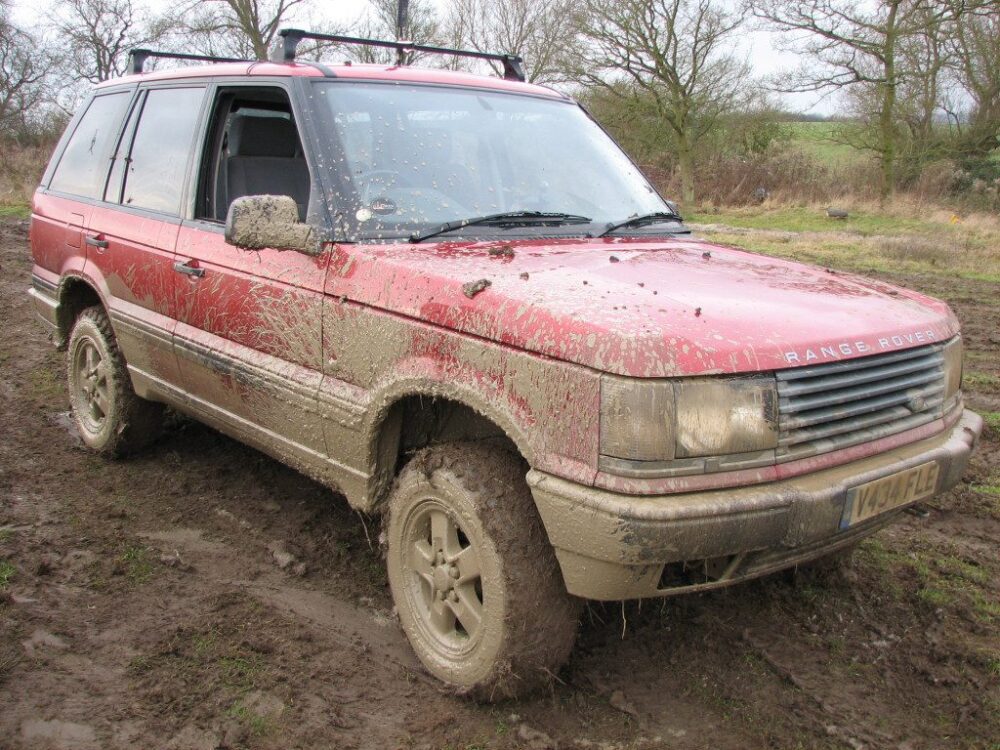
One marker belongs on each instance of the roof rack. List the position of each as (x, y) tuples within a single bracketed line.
[(137, 58), (513, 69)]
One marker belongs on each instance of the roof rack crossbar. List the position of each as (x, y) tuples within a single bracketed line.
[(137, 58), (512, 64)]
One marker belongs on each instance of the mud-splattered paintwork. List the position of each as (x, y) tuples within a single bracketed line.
[(637, 317), (311, 351)]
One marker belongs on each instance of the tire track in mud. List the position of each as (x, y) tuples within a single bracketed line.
[(371, 632)]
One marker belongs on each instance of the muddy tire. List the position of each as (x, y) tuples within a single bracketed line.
[(110, 417), (476, 583)]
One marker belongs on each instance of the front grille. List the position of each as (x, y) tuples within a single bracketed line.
[(831, 406)]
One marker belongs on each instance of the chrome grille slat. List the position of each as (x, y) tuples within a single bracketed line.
[(849, 395), (840, 427), (855, 365), (867, 375), (826, 407), (854, 408), (816, 447)]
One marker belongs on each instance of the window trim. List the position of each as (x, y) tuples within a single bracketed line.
[(182, 204), (53, 166), (210, 135)]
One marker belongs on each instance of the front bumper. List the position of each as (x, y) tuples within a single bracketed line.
[(612, 546)]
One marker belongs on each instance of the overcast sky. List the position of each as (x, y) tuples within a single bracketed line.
[(755, 46)]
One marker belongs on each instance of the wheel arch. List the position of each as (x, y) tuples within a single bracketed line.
[(414, 415), (75, 295)]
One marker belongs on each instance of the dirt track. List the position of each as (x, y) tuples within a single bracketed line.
[(147, 607)]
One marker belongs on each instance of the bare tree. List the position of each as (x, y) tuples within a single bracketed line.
[(677, 54), (237, 28), (861, 47), (24, 69), (420, 26), (98, 35), (544, 32), (976, 55)]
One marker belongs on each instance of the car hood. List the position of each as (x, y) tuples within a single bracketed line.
[(641, 308)]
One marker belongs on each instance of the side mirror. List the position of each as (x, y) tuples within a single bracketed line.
[(262, 221)]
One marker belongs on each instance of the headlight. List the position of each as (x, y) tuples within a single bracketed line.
[(716, 416), (952, 367), (664, 420)]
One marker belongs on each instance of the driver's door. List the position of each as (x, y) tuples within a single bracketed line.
[(248, 337)]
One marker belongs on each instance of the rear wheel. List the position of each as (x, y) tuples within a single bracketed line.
[(110, 417), (476, 583)]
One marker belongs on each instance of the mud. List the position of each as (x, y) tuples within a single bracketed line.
[(473, 288), (106, 643), (269, 221)]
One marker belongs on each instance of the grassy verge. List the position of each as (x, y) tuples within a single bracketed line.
[(868, 241)]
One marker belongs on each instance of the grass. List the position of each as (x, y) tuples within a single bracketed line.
[(241, 672), (500, 725), (943, 579), (981, 379), (7, 572), (258, 724), (135, 564), (814, 219), (993, 666), (15, 210), (898, 241), (819, 140), (992, 419)]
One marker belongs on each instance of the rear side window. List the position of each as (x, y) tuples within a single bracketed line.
[(160, 150), (83, 166)]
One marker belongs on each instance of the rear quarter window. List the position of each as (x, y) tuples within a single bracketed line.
[(83, 166), (161, 149)]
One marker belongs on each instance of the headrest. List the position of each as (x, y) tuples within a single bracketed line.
[(262, 136)]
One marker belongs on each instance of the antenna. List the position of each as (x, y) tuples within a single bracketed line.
[(402, 17)]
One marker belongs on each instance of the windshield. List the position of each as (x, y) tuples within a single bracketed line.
[(417, 156)]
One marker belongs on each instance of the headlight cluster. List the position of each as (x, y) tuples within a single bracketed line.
[(666, 420)]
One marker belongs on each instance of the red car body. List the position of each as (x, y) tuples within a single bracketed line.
[(308, 357)]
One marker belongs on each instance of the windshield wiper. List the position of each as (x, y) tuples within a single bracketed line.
[(635, 221), (508, 218)]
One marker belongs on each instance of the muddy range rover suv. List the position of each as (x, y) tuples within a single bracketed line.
[(454, 300)]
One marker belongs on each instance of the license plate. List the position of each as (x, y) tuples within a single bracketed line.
[(880, 495)]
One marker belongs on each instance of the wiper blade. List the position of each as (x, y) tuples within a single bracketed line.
[(651, 218), (511, 218)]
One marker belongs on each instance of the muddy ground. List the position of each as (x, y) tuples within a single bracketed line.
[(203, 596)]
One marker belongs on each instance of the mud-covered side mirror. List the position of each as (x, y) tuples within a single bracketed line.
[(257, 222)]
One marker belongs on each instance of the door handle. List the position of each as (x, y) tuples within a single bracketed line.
[(97, 242), (188, 269)]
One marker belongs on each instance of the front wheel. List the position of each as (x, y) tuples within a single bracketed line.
[(110, 417), (476, 583)]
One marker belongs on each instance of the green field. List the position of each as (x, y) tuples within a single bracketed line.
[(820, 140)]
